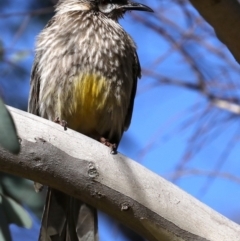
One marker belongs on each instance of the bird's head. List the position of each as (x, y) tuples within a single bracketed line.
[(111, 8), (119, 7)]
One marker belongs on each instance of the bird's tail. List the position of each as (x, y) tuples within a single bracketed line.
[(67, 219)]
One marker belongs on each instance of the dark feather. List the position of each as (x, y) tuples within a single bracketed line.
[(136, 75), (33, 105)]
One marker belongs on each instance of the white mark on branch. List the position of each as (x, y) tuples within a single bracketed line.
[(125, 207), (92, 171)]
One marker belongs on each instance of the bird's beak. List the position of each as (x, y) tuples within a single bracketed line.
[(135, 6)]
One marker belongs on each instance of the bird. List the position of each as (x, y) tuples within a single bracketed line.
[(84, 76)]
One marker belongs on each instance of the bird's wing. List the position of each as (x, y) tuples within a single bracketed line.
[(136, 74), (34, 89), (33, 105)]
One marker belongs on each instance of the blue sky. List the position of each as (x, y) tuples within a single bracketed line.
[(154, 136)]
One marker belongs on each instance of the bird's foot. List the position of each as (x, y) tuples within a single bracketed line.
[(113, 146), (61, 122)]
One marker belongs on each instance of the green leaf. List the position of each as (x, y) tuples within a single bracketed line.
[(8, 133), (18, 189), (15, 213), (4, 226)]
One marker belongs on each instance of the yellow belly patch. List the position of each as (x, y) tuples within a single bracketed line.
[(91, 98)]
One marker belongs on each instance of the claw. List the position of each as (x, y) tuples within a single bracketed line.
[(61, 122), (113, 146)]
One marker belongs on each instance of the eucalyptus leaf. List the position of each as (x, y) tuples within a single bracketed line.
[(4, 226), (8, 133), (18, 189), (15, 213)]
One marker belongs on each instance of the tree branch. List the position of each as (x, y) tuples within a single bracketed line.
[(224, 17), (85, 169)]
